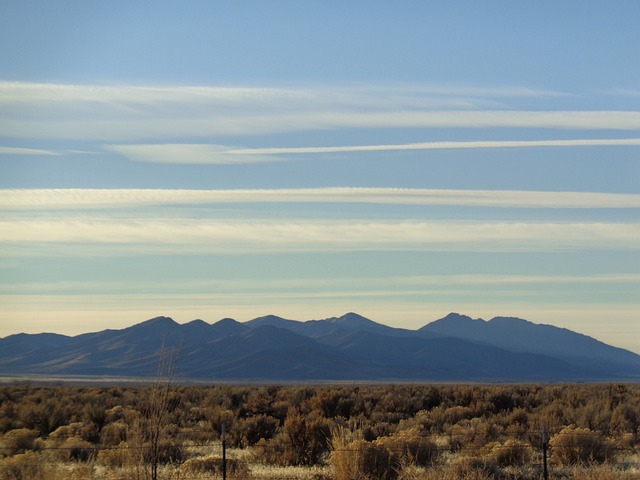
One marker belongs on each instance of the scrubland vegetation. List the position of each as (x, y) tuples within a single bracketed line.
[(389, 432)]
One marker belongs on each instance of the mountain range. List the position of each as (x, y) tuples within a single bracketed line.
[(346, 348)]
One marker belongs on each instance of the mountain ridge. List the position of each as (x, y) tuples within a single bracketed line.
[(350, 347)]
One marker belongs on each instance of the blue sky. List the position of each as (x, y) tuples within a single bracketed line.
[(214, 159)]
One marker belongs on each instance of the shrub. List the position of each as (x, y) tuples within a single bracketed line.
[(213, 466), (85, 431), (94, 413), (18, 441), (472, 468), (117, 457), (510, 453), (361, 459), (79, 471), (308, 438), (579, 445), (45, 416), (326, 401), (270, 452), (25, 466), (409, 447), (114, 434), (76, 449), (255, 428), (114, 414), (165, 451), (302, 443), (471, 434)]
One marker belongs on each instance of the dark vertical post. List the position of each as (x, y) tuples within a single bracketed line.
[(224, 452), (545, 447)]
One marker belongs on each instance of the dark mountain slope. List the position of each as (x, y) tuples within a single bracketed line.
[(317, 328), (518, 335), (273, 321), (354, 322), (266, 352), (350, 347), (448, 358), (20, 349), (228, 326)]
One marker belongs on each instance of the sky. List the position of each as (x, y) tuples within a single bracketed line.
[(402, 160)]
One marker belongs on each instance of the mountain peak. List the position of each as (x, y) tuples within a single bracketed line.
[(509, 320), (457, 317), (152, 327), (452, 323), (197, 322), (353, 319), (227, 321), (159, 321), (271, 320), (228, 326), (268, 318), (355, 322)]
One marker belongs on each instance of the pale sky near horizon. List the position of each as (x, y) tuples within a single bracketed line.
[(402, 160)]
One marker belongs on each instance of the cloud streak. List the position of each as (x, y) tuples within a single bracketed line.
[(29, 93), (220, 154), (26, 151), (367, 285), (201, 236), (50, 199), (445, 145), (183, 123), (150, 113), (190, 154)]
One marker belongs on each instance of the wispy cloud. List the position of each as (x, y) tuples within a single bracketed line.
[(190, 154), (49, 199), (220, 154), (26, 151), (375, 94), (150, 113), (334, 285), (445, 145), (184, 123), (194, 235)]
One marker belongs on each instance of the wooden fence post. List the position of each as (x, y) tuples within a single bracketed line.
[(545, 448), (224, 452)]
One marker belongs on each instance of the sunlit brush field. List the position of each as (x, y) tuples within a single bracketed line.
[(396, 431)]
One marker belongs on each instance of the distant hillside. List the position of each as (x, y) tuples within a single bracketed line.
[(518, 335), (350, 347)]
